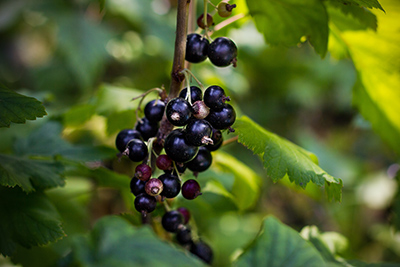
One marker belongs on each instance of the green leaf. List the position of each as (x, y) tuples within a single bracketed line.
[(27, 220), (120, 120), (286, 22), (246, 187), (375, 56), (102, 4), (114, 242), (30, 174), (18, 108), (79, 114), (357, 263), (281, 157), (279, 245), (82, 43), (361, 3)]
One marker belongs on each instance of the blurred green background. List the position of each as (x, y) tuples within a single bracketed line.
[(85, 65)]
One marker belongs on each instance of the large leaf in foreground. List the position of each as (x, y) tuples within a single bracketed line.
[(285, 22), (30, 174), (281, 157), (114, 242), (27, 220), (361, 3), (18, 108), (279, 245)]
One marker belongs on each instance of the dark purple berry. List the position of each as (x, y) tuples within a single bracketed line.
[(164, 162), (202, 161), (147, 128), (171, 221), (154, 110), (154, 187), (177, 148), (196, 48), (200, 21), (222, 118), (222, 52), (217, 140), (185, 213), (171, 184), (200, 110), (195, 94), (191, 189), (214, 97), (178, 111), (124, 137), (198, 132), (184, 236), (203, 251), (137, 186), (181, 167), (137, 150), (143, 172), (145, 203)]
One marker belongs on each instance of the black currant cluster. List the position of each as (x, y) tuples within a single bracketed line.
[(222, 51)]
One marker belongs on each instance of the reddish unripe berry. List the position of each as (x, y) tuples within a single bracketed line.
[(185, 213), (164, 162), (143, 172), (200, 21), (191, 189)]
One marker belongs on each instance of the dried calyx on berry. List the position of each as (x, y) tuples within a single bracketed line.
[(154, 187), (198, 132), (225, 9), (178, 111), (200, 110)]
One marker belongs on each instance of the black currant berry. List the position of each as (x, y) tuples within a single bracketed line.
[(185, 213), (196, 48), (214, 97), (222, 118), (225, 9), (145, 203), (222, 52), (200, 110), (163, 162), (200, 21), (181, 167), (195, 94), (137, 150), (191, 189), (171, 221), (137, 186), (154, 110), (203, 251), (217, 140), (147, 128), (202, 161), (124, 137), (143, 172), (177, 148), (171, 184), (184, 236), (154, 187), (178, 111), (198, 132)]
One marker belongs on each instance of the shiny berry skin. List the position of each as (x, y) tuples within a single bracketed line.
[(222, 52), (196, 48), (137, 150), (145, 203), (184, 236), (154, 187), (225, 9), (185, 213), (171, 184), (137, 186), (143, 172), (217, 140), (198, 132), (124, 136), (154, 110), (200, 21), (195, 94), (171, 221), (178, 111), (177, 148), (164, 162), (202, 161), (214, 97), (203, 251), (147, 128), (191, 189), (222, 118)]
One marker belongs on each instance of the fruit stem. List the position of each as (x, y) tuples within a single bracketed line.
[(188, 92), (230, 140), (194, 77)]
